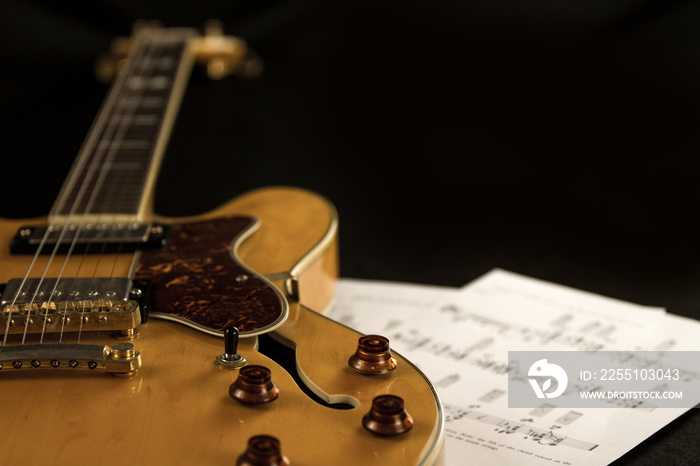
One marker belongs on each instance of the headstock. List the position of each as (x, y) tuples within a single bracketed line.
[(218, 54)]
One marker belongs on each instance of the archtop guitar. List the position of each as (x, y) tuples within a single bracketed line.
[(129, 338)]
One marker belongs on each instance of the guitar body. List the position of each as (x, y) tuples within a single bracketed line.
[(177, 409), (112, 317)]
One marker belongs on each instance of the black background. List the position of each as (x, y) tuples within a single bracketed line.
[(553, 139)]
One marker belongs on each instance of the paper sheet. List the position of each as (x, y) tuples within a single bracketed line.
[(460, 339)]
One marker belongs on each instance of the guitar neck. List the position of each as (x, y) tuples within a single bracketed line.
[(113, 177)]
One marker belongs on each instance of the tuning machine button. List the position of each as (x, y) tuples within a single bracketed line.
[(373, 355), (262, 450), (254, 386), (230, 359), (387, 416)]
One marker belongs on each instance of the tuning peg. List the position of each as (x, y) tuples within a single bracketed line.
[(224, 55), (214, 27)]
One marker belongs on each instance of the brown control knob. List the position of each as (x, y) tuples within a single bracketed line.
[(262, 450), (387, 416), (254, 386), (372, 355)]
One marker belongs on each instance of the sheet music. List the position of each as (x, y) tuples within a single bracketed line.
[(460, 338)]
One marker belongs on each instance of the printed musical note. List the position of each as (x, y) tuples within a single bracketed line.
[(544, 437), (507, 427)]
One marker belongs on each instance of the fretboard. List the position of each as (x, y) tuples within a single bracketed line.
[(114, 174)]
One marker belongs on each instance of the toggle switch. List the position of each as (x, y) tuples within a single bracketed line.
[(230, 359)]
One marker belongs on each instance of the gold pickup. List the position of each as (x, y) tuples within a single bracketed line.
[(71, 316)]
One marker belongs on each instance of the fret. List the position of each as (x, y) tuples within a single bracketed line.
[(134, 119), (165, 64), (128, 145), (152, 83), (115, 169), (138, 132), (144, 102), (127, 166), (147, 119)]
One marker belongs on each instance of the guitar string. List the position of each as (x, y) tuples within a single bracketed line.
[(154, 64), (153, 68), (100, 165), (51, 227), (65, 306), (110, 277), (18, 293), (133, 104), (124, 119), (59, 208), (60, 241)]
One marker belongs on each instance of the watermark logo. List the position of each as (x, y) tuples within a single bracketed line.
[(541, 369), (643, 380)]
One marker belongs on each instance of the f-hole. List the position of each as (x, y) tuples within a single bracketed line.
[(286, 357)]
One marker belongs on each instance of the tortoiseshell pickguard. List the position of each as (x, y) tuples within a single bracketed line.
[(195, 278)]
